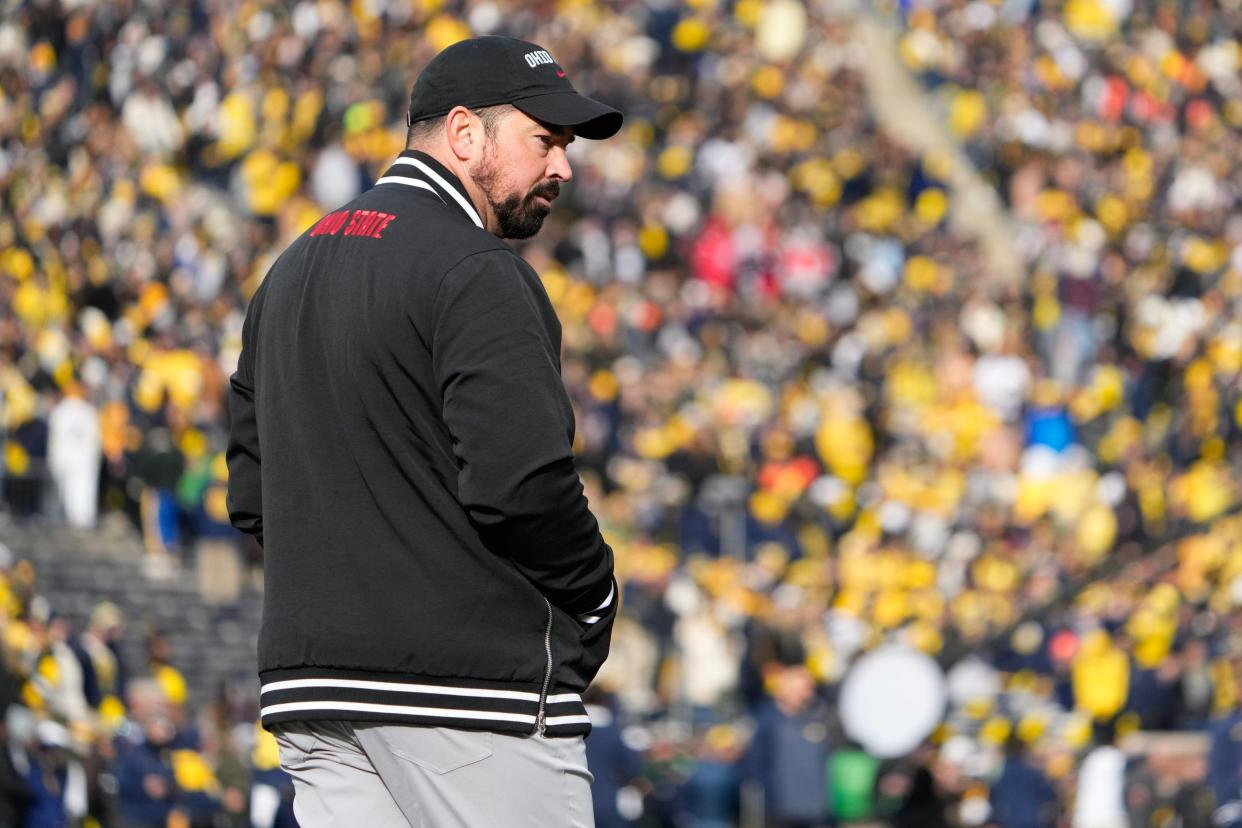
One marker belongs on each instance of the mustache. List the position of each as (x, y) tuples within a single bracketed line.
[(550, 190)]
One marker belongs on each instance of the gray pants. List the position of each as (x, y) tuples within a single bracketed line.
[(354, 774)]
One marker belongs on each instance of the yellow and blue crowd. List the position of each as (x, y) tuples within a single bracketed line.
[(812, 419)]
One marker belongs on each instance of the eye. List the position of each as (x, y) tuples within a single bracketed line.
[(546, 140)]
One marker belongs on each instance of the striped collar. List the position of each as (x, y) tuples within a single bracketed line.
[(418, 169)]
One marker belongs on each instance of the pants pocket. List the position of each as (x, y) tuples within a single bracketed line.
[(435, 749)]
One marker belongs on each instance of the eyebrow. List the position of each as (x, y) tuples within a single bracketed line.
[(558, 131)]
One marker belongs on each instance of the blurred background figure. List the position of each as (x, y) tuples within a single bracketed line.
[(852, 778), (146, 785), (104, 673), (1100, 800), (614, 764), (73, 456), (1022, 797), (921, 800), (712, 796), (1224, 773), (56, 781), (789, 751), (1169, 786)]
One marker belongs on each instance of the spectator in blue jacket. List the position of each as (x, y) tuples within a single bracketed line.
[(1022, 796), (145, 782), (55, 780), (789, 752)]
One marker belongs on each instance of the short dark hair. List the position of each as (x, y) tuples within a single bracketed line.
[(420, 131)]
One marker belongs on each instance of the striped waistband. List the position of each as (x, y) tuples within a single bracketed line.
[(306, 696)]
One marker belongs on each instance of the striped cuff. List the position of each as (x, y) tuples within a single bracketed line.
[(593, 616)]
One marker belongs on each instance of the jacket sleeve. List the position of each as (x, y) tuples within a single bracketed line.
[(245, 499), (495, 352)]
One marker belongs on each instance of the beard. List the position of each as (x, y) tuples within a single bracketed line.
[(518, 215)]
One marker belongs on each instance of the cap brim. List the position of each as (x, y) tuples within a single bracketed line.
[(588, 118)]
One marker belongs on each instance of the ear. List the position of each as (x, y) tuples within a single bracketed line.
[(464, 136)]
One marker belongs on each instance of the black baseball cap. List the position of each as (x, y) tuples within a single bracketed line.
[(490, 71)]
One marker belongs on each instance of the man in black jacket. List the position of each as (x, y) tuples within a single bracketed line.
[(438, 593)]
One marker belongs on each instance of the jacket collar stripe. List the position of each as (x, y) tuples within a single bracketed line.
[(461, 200), (413, 182)]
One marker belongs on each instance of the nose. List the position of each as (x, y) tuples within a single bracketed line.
[(558, 165)]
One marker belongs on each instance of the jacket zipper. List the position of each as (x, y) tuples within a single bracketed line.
[(541, 725)]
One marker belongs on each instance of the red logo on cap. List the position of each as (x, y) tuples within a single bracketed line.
[(559, 73)]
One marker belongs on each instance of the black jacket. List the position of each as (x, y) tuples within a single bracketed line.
[(401, 445)]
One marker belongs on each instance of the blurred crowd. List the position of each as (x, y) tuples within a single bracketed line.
[(90, 739), (811, 419)]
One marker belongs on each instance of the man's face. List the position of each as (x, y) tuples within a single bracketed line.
[(520, 172)]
